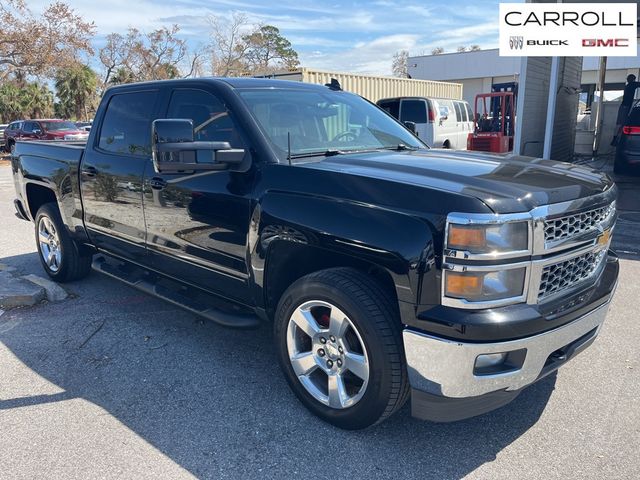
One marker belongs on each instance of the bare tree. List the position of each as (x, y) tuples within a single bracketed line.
[(228, 48), (159, 54), (40, 45), (399, 66), (461, 49), (116, 54), (474, 48), (239, 48), (139, 56), (437, 51)]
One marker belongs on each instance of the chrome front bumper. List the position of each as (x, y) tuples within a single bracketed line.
[(446, 367)]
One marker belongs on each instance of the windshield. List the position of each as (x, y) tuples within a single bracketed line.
[(325, 122), (58, 126)]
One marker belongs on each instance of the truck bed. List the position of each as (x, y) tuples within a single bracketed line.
[(69, 152)]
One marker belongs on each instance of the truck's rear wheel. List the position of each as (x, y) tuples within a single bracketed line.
[(340, 347), (59, 254)]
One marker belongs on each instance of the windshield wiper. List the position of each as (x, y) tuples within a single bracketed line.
[(400, 147), (323, 153)]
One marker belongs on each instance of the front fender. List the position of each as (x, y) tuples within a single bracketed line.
[(398, 242)]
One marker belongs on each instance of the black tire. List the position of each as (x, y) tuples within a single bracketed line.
[(73, 264), (374, 313)]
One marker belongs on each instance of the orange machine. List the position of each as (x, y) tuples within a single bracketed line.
[(495, 115)]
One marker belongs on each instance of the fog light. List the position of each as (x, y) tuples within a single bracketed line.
[(489, 360), (495, 363)]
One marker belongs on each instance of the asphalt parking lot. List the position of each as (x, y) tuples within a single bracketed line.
[(112, 383)]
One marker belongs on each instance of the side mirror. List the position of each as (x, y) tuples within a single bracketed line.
[(411, 126), (36, 131), (174, 149)]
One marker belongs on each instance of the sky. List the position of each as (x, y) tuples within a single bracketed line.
[(353, 35)]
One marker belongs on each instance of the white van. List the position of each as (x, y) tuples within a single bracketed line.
[(441, 123)]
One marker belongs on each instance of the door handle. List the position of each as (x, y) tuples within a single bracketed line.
[(89, 171), (157, 183)]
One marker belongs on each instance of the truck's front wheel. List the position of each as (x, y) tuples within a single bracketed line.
[(59, 254), (340, 346)]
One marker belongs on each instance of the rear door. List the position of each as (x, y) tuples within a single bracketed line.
[(198, 222), (29, 131), (460, 125), (112, 169), (446, 130)]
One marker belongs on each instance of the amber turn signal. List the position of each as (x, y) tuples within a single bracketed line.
[(463, 284), (466, 237)]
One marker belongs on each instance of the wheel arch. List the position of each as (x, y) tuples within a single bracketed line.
[(288, 262), (37, 195)]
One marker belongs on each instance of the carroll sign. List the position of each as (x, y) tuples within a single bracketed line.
[(569, 29)]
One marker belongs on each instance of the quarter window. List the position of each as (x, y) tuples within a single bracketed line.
[(126, 128)]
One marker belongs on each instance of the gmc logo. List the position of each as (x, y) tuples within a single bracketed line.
[(601, 42)]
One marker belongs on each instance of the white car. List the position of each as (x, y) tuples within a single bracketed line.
[(441, 123)]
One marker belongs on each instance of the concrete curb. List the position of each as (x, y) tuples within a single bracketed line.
[(54, 292), (16, 292)]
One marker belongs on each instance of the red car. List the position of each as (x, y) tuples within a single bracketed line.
[(42, 130)]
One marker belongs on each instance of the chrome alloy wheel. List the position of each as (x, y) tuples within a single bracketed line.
[(49, 244), (327, 354)]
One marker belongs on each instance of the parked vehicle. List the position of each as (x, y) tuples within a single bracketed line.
[(42, 130), (441, 123), (388, 269), (494, 128), (3, 127), (84, 126), (627, 158)]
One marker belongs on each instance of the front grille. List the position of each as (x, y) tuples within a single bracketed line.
[(568, 273), (571, 225)]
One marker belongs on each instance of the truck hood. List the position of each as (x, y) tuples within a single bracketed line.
[(506, 184)]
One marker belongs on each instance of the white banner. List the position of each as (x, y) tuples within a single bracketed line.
[(568, 29)]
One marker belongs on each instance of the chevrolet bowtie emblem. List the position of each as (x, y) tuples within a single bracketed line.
[(604, 237)]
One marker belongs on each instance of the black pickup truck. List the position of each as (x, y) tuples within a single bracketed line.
[(388, 269)]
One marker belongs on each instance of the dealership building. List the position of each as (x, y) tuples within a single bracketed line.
[(552, 91), (478, 71)]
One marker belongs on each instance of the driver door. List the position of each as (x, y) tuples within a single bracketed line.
[(197, 222)]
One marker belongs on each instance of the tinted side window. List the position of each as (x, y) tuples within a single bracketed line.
[(126, 127), (211, 119), (392, 108), (463, 112), (469, 111), (30, 126), (456, 105), (414, 111)]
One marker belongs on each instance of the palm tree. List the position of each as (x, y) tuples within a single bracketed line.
[(36, 101), (76, 89)]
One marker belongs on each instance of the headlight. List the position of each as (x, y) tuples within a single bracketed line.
[(482, 286), (489, 238)]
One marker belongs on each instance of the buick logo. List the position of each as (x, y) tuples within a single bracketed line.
[(515, 43)]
